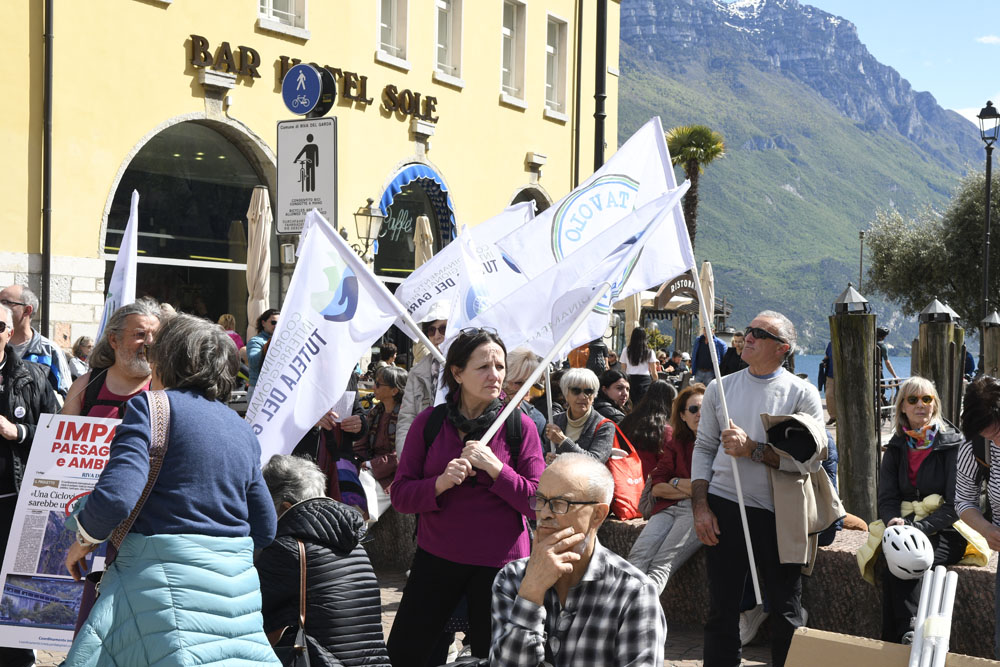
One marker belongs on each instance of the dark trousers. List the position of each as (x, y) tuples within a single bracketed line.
[(638, 384), (432, 593), (11, 657), (728, 569), (901, 597)]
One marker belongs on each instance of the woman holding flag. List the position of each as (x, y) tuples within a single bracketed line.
[(471, 498)]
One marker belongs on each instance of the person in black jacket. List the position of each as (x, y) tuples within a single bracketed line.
[(732, 360), (25, 393), (612, 397), (343, 607), (919, 461)]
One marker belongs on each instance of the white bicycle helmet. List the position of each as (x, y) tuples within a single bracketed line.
[(907, 551)]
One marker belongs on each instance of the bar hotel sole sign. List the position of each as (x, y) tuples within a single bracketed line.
[(351, 85)]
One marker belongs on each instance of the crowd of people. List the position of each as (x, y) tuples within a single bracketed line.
[(220, 554)]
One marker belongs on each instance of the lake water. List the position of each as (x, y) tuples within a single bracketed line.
[(809, 364)]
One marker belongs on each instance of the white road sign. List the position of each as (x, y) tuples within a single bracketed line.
[(307, 172)]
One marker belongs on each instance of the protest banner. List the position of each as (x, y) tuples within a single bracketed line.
[(334, 310), (121, 289), (40, 600), (437, 279)]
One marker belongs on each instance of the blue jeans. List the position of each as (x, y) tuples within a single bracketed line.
[(705, 376)]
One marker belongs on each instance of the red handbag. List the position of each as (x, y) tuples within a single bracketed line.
[(627, 473)]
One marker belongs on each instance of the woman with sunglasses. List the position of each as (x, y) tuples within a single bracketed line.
[(265, 324), (580, 428), (471, 498), (919, 461), (669, 539)]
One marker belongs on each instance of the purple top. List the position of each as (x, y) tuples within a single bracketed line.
[(237, 339), (478, 522)]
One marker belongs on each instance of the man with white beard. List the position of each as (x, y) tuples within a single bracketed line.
[(118, 366)]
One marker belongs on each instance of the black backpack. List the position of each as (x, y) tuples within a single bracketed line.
[(92, 392), (515, 434)]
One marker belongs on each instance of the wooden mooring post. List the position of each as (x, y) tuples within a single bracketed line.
[(941, 352), (852, 331), (991, 345)]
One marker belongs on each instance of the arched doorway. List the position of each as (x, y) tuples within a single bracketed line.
[(414, 190), (532, 194), (194, 188)]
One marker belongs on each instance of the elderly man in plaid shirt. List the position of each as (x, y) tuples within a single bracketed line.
[(573, 602)]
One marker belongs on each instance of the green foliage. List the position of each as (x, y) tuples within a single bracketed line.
[(692, 147), (779, 216), (657, 340), (935, 255)]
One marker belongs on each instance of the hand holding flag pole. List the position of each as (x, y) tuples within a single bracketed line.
[(707, 318)]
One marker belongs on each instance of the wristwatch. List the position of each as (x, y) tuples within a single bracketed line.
[(757, 455), (675, 481)]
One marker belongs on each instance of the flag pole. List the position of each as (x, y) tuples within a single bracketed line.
[(548, 399), (599, 293), (709, 335)]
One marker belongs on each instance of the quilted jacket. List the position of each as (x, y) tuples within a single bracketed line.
[(176, 600), (343, 607)]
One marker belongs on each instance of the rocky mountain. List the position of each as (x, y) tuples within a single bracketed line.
[(819, 136)]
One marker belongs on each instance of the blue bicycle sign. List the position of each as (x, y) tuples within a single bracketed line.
[(301, 88)]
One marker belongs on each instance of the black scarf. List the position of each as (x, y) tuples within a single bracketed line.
[(474, 428)]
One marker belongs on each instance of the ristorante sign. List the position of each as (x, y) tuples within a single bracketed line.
[(246, 61)]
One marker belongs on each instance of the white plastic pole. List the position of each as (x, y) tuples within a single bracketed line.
[(922, 611), (947, 606), (709, 334), (599, 293), (548, 401), (933, 613)]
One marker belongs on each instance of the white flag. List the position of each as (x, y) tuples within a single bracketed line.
[(637, 174), (536, 313), (334, 310), (121, 289), (436, 279)]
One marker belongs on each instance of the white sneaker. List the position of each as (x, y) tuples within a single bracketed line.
[(750, 623)]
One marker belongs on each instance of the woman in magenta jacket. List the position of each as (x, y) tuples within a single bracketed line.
[(472, 499)]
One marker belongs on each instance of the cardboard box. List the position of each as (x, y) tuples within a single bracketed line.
[(819, 648)]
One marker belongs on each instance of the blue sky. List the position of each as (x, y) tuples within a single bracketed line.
[(950, 49)]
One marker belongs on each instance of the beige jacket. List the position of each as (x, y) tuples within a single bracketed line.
[(805, 501)]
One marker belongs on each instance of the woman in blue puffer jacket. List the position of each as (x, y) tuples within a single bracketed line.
[(183, 589)]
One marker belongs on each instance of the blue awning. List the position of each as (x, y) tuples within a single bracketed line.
[(436, 191)]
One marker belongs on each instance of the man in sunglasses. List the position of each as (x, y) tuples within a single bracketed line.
[(29, 344), (764, 387), (615, 618), (24, 395)]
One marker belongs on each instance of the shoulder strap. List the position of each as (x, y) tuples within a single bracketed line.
[(515, 436), (618, 432), (434, 423), (94, 385), (302, 584), (981, 452), (159, 427)]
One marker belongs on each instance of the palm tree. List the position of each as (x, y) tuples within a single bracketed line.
[(692, 147)]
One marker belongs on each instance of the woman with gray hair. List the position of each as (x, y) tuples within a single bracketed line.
[(580, 429), (343, 607), (187, 560), (119, 369), (521, 362), (374, 433)]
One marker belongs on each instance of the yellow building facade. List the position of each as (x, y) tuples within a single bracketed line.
[(449, 108)]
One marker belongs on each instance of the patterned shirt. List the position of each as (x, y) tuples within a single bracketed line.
[(967, 487), (612, 618)]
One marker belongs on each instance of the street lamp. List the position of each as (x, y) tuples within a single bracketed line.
[(989, 127), (368, 220)]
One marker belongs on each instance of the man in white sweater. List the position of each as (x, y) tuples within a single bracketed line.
[(764, 387)]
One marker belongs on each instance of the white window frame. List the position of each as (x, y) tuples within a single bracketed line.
[(512, 89), (555, 91), (273, 20), (393, 52), (449, 72)]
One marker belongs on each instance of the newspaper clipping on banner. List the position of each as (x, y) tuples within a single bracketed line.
[(40, 600)]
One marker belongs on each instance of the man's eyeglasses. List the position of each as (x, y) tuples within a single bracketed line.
[(759, 334), (693, 409), (586, 391), (925, 399), (431, 330), (557, 505), (9, 303)]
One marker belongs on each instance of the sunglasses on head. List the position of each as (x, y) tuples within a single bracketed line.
[(759, 334), (586, 391), (472, 331), (925, 399), (693, 409), (431, 330)]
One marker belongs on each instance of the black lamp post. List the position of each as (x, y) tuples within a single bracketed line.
[(989, 127)]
